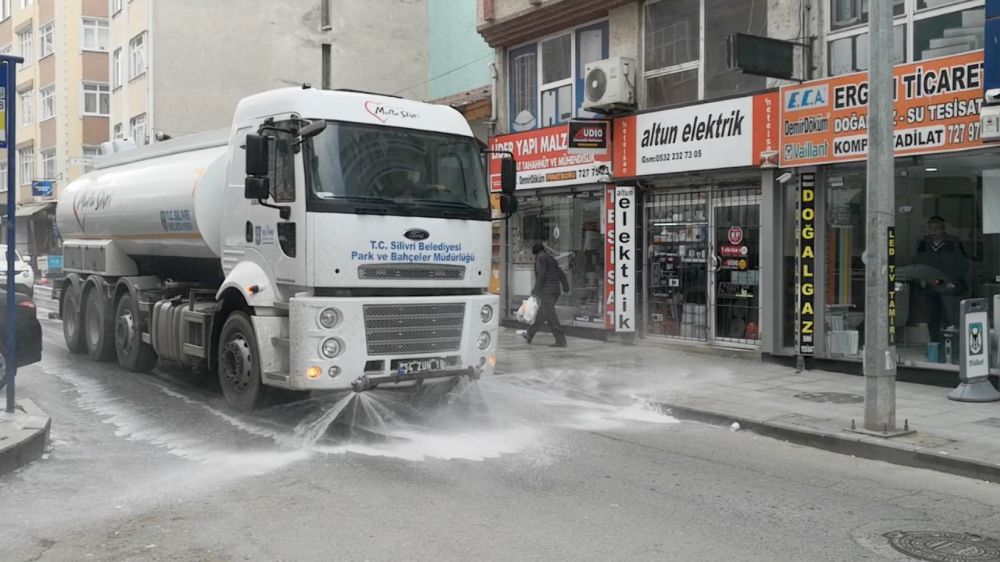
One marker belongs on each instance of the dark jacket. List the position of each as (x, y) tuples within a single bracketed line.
[(549, 278), (948, 257)]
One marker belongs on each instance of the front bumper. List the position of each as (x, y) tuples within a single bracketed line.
[(370, 356)]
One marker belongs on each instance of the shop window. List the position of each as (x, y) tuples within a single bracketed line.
[(948, 34), (942, 254), (851, 54), (675, 47), (571, 228)]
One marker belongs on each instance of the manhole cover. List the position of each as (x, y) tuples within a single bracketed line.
[(831, 397), (943, 546)]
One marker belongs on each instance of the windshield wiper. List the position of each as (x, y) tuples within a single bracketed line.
[(456, 204)]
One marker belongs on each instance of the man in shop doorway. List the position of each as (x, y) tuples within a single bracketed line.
[(944, 254), (550, 282)]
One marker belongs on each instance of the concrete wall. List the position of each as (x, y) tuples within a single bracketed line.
[(454, 43), (239, 47), (785, 21)]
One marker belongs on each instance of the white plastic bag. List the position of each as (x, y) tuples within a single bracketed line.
[(528, 310)]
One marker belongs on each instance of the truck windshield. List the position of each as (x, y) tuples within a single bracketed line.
[(395, 171)]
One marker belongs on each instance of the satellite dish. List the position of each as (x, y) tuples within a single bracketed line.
[(597, 84)]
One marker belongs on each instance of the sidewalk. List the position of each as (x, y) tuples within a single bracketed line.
[(23, 435), (813, 408)]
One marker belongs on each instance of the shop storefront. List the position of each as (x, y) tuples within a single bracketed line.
[(947, 209), (562, 206), (702, 220)]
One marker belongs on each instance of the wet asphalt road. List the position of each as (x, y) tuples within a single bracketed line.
[(521, 467)]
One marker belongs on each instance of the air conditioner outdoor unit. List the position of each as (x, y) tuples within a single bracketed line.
[(609, 85)]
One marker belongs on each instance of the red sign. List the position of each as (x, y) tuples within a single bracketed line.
[(733, 251), (543, 159), (735, 235), (937, 105)]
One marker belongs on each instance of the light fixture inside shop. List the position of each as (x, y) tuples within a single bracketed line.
[(930, 169)]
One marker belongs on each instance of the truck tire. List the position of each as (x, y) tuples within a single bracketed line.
[(98, 327), (239, 364), (69, 311), (133, 353)]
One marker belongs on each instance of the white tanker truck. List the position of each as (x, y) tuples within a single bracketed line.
[(330, 240)]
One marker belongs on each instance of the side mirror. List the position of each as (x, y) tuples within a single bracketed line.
[(257, 188), (508, 204), (257, 154), (508, 175), (312, 129)]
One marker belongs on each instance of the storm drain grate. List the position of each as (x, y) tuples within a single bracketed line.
[(831, 397), (944, 546)]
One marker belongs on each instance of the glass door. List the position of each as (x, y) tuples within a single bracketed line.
[(735, 279), (677, 273)]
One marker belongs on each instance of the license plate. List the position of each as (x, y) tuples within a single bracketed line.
[(413, 366)]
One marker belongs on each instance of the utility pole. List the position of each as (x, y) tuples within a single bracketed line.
[(880, 352)]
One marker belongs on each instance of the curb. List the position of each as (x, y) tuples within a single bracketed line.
[(845, 443), (23, 436)]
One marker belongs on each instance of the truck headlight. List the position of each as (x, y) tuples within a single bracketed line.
[(331, 347), (486, 313), (484, 340), (329, 318)]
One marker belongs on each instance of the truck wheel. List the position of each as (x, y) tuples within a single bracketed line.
[(98, 328), (133, 353), (239, 364), (69, 311)]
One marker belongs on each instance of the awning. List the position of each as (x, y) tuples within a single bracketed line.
[(29, 209)]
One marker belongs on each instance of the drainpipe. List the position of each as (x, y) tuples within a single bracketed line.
[(494, 81)]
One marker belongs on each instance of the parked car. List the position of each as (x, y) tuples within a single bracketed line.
[(29, 332), (24, 280)]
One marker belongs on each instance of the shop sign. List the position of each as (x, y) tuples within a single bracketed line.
[(707, 136), (588, 137), (805, 314), (936, 109), (735, 235), (892, 284), (623, 271), (544, 160), (733, 251)]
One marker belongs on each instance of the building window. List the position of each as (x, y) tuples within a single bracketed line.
[(137, 125), (49, 164), (96, 99), (26, 3), (48, 99), (116, 68), (546, 78), (137, 55), (26, 157), (4, 14), (933, 28), (27, 107), (24, 39), (90, 153), (95, 34), (119, 133), (3, 176), (46, 36), (685, 61), (524, 88), (116, 6)]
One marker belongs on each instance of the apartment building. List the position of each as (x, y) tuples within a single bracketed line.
[(62, 100), (180, 66)]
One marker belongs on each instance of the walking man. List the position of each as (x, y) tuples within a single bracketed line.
[(550, 282), (946, 254)]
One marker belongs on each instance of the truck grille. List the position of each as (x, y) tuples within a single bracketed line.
[(392, 329), (411, 272)]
